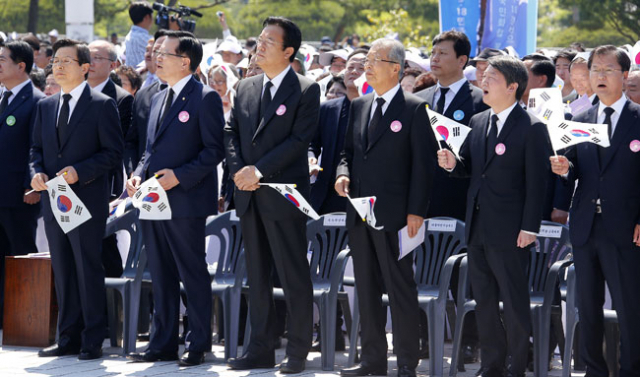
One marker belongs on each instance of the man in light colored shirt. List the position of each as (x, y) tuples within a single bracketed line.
[(135, 42)]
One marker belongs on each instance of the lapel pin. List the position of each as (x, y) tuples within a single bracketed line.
[(395, 126), (183, 116), (458, 115), (635, 146), (11, 120), (500, 149), (281, 110)]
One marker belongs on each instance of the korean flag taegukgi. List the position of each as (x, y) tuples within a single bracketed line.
[(67, 208), (288, 191), (447, 130), (152, 201)]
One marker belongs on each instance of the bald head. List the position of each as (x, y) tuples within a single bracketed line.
[(103, 61)]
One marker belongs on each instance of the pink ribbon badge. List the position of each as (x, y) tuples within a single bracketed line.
[(500, 149), (635, 146), (183, 116), (281, 110), (395, 126)]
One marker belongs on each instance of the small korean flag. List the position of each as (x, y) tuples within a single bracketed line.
[(67, 208), (152, 201)]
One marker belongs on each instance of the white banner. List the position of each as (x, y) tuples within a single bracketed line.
[(294, 197), (565, 133), (67, 208), (364, 206), (452, 132), (152, 201)]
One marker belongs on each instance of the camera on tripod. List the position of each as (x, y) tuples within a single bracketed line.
[(163, 18)]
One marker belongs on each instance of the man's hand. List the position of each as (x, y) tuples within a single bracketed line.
[(133, 184), (413, 224), (559, 216), (246, 179), (39, 182), (559, 165), (71, 175), (314, 168), (167, 179), (32, 198), (525, 239), (342, 185), (636, 235), (446, 159)]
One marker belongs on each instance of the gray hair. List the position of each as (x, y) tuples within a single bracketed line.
[(395, 51)]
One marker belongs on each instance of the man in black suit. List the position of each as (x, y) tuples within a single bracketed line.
[(18, 212), (605, 215), (103, 61), (77, 134), (457, 99), (136, 137), (274, 118), (184, 146), (506, 156), (388, 153)]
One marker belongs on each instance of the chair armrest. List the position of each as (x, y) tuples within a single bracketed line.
[(445, 276), (552, 279), (463, 279), (241, 269), (337, 272)]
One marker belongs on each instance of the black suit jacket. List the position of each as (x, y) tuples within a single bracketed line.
[(508, 188), (277, 144), (15, 141), (396, 167), (92, 144), (136, 136), (615, 183), (329, 141), (449, 194)]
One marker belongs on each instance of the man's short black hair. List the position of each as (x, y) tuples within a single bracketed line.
[(159, 33), (139, 10), (621, 56), (461, 44), (33, 41), (542, 65), (84, 57), (20, 52), (292, 34), (566, 53), (47, 48), (513, 70), (188, 45), (38, 79)]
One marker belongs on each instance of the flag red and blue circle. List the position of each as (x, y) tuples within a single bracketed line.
[(580, 133), (292, 199), (443, 131), (366, 88), (151, 198), (64, 204)]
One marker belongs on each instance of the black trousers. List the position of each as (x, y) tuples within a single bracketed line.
[(376, 266), (176, 252), (500, 274), (79, 279), (283, 243), (17, 237), (600, 260)]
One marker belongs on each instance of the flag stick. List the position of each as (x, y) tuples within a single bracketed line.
[(32, 191), (438, 141)]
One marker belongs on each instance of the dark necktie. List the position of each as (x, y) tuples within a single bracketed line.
[(441, 100), (167, 105), (375, 120), (608, 111), (266, 99), (63, 117), (163, 86), (5, 100), (492, 138)]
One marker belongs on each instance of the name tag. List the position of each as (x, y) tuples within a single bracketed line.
[(442, 225), (335, 220), (550, 231)]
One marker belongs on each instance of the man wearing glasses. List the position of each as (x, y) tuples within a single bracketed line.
[(273, 119), (184, 146), (77, 134), (103, 61), (605, 215), (388, 153)]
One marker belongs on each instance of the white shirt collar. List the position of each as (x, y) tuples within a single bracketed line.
[(592, 97), (177, 88), (388, 96), (16, 89), (617, 106), (100, 87), (276, 81), (75, 92), (503, 115), (455, 87)]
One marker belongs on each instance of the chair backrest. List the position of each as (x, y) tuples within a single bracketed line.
[(326, 237), (552, 245), (226, 228), (444, 237), (129, 222)]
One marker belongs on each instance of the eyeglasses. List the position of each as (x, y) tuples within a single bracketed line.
[(99, 58), (164, 54), (63, 61), (219, 82), (605, 72), (268, 42), (373, 61)]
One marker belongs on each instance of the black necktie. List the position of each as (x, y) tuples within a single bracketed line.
[(167, 105), (441, 100), (5, 100), (492, 138), (163, 86), (266, 99), (608, 111), (63, 117), (375, 120)]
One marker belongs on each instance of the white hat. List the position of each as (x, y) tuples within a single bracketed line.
[(53, 33), (415, 61), (470, 73), (581, 55), (326, 57), (244, 63), (230, 45)]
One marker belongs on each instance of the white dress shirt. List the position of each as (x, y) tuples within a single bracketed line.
[(617, 107), (75, 96), (453, 91), (16, 89), (388, 96), (276, 82), (101, 86)]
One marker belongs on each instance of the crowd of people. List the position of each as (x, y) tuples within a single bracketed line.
[(337, 120)]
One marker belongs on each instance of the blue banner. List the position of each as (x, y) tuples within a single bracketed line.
[(461, 15)]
